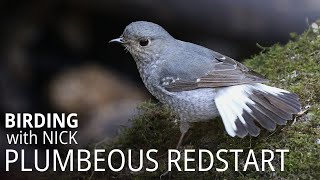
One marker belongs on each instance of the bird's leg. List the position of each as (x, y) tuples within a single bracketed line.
[(184, 127), (180, 140)]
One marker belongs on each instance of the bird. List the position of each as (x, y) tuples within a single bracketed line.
[(200, 84)]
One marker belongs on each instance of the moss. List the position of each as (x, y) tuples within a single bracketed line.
[(154, 127), (294, 66)]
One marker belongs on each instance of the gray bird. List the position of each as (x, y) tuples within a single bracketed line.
[(200, 84)]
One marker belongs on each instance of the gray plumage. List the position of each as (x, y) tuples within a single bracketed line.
[(200, 84)]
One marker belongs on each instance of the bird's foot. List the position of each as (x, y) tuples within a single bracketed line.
[(167, 173)]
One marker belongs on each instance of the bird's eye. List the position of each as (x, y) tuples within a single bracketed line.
[(144, 42)]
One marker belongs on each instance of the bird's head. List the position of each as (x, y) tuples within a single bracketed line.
[(144, 40)]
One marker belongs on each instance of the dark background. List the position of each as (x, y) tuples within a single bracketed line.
[(55, 55), (42, 38)]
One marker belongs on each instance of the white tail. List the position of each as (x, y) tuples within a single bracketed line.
[(241, 105)]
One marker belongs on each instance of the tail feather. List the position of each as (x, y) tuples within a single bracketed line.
[(242, 105), (272, 116), (242, 130), (263, 101), (289, 102), (251, 127), (261, 117), (278, 102)]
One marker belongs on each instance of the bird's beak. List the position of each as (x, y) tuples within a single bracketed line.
[(117, 40)]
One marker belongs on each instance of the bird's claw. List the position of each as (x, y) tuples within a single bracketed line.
[(164, 174)]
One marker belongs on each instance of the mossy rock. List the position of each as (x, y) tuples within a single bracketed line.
[(295, 67)]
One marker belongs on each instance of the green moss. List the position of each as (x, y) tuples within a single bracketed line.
[(154, 127), (295, 67)]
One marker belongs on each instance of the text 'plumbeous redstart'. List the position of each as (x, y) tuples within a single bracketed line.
[(200, 84)]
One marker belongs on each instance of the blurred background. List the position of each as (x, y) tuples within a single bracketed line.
[(55, 55)]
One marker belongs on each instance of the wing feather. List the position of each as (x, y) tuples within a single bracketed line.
[(226, 72)]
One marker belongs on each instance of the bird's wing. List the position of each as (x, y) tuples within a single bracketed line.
[(225, 72)]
